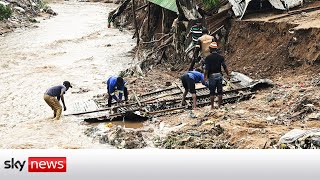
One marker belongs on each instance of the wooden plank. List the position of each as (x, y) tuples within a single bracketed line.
[(136, 97), (179, 87), (295, 12)]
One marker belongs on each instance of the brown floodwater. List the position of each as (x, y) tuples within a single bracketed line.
[(76, 46)]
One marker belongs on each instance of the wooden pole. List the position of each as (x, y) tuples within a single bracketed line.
[(135, 22), (149, 13), (163, 21), (136, 97)]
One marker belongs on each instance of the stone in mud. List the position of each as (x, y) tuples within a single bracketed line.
[(91, 131), (214, 138), (123, 139), (21, 10), (50, 11)]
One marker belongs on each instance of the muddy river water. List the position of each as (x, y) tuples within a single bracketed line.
[(76, 46)]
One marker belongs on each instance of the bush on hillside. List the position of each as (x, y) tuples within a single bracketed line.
[(5, 12)]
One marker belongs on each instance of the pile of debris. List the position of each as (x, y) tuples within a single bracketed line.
[(22, 13), (304, 107), (117, 136), (161, 27), (215, 138), (300, 139)]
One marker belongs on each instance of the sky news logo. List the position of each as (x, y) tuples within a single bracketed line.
[(38, 164)]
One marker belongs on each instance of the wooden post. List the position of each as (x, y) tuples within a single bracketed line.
[(149, 12), (163, 21), (135, 22), (137, 99)]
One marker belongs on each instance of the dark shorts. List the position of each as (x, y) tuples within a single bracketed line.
[(188, 83), (215, 83)]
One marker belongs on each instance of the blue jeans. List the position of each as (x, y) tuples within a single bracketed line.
[(215, 83)]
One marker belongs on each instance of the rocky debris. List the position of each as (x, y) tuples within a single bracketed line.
[(81, 91), (300, 139), (214, 138), (121, 138), (302, 109), (23, 13), (90, 132), (316, 81), (117, 136)]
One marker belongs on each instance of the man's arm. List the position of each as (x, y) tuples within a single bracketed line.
[(198, 48), (225, 68), (203, 81), (206, 68), (62, 99), (205, 75), (122, 91)]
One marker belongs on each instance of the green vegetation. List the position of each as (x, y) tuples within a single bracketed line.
[(43, 5), (5, 12), (210, 3)]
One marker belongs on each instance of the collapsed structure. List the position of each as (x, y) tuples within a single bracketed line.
[(164, 101)]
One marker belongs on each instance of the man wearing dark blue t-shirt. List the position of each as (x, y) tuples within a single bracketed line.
[(52, 97)]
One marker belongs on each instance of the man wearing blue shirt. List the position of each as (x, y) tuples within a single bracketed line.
[(189, 81), (116, 84)]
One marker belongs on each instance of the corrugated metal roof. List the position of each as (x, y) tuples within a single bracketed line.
[(292, 3), (167, 4), (239, 7), (277, 4)]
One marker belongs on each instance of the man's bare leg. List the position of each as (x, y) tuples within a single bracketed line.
[(194, 97), (212, 102), (219, 101), (184, 98)]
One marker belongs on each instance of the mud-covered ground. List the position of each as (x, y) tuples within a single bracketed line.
[(286, 51)]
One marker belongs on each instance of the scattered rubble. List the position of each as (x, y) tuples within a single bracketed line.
[(195, 139), (23, 13), (300, 139), (117, 136), (121, 138)]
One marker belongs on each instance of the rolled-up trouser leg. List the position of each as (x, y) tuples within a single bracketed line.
[(57, 107), (49, 101), (54, 104)]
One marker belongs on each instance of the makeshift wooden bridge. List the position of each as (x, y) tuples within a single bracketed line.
[(163, 102)]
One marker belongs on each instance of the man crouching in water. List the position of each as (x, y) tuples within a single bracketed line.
[(213, 64), (52, 97)]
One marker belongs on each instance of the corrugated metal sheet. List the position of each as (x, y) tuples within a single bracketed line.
[(292, 3), (277, 4), (286, 4), (239, 7), (167, 4)]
